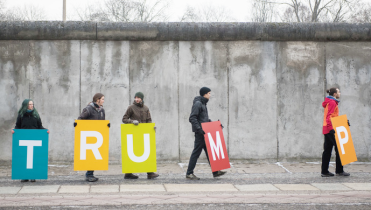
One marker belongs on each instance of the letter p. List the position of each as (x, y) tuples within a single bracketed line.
[(344, 140)]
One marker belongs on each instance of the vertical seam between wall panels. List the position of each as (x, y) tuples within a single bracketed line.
[(325, 76), (129, 85), (228, 71), (178, 104), (277, 105), (80, 81)]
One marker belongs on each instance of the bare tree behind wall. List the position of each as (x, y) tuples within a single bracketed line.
[(361, 13), (315, 10), (126, 11), (262, 11), (207, 13), (22, 13)]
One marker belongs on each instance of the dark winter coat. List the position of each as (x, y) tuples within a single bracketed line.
[(138, 112), (28, 122), (91, 112), (199, 113)]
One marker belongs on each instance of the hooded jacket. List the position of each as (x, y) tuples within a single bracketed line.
[(331, 110), (91, 112), (199, 113), (28, 121), (138, 112)]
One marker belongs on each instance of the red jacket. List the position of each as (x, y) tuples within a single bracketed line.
[(331, 110)]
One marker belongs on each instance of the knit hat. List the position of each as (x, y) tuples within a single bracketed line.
[(139, 95), (204, 90)]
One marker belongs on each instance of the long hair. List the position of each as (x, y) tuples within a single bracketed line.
[(24, 108)]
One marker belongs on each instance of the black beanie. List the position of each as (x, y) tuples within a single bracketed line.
[(204, 90), (139, 95)]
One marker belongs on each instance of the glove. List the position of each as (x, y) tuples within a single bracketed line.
[(348, 123), (332, 131), (109, 125), (200, 131), (210, 120), (135, 122), (74, 124), (221, 124), (155, 128)]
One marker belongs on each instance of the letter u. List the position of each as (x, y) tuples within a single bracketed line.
[(130, 149)]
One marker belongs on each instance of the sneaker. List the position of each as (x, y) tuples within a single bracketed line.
[(218, 173), (152, 175), (91, 179), (24, 180), (130, 176), (192, 177), (328, 174), (343, 174), (32, 180)]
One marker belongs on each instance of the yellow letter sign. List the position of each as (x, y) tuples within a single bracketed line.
[(91, 145), (138, 144), (344, 140)]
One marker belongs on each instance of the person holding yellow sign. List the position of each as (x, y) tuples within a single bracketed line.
[(93, 111), (331, 110), (135, 114)]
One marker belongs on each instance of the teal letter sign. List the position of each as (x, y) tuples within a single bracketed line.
[(30, 154)]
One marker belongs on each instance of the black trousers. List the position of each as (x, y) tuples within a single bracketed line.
[(330, 142), (198, 147)]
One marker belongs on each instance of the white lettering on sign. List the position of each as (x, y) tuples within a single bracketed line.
[(30, 144), (344, 140), (130, 149), (216, 148), (94, 147)]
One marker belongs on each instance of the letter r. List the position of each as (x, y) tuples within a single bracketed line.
[(94, 147)]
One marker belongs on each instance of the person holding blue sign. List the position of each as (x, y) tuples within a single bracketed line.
[(93, 111), (28, 118)]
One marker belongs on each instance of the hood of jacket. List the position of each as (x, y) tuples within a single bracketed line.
[(139, 104), (328, 100), (201, 99), (92, 105)]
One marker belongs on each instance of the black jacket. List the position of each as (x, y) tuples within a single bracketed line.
[(28, 122), (91, 112), (199, 113)]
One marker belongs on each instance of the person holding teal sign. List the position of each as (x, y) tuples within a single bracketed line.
[(28, 118)]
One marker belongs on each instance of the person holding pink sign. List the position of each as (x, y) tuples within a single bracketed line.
[(199, 114), (28, 118), (331, 110)]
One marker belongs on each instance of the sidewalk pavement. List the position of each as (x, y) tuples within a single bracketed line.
[(245, 183)]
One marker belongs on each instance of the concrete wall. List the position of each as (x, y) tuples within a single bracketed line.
[(267, 94)]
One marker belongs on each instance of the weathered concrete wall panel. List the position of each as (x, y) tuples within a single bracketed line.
[(349, 68), (105, 69), (14, 88), (201, 64), (300, 78), (252, 100), (54, 74), (154, 71)]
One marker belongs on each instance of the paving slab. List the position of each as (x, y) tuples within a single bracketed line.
[(39, 189), (170, 168), (9, 190), (112, 170), (358, 186), (74, 189), (288, 187), (142, 188), (257, 187), (104, 188), (199, 187), (357, 168), (330, 186)]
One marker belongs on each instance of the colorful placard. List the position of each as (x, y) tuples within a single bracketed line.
[(215, 144), (344, 140), (30, 154), (91, 145), (138, 145)]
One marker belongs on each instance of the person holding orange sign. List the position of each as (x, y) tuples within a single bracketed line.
[(93, 111), (331, 110)]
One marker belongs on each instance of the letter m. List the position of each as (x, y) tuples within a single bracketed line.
[(218, 148)]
